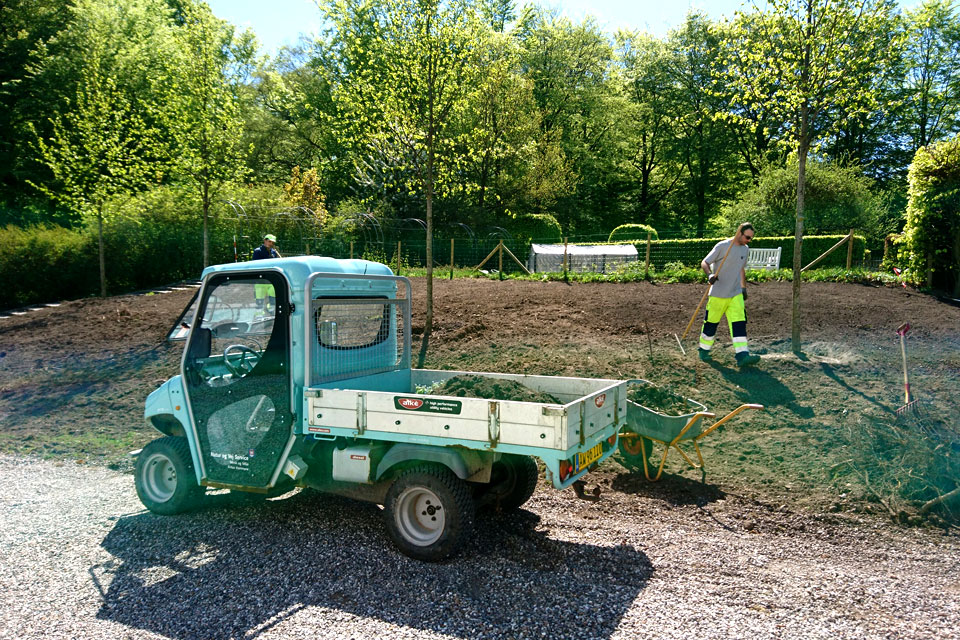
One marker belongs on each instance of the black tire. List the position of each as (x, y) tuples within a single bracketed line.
[(632, 454), (429, 512), (512, 481), (164, 477)]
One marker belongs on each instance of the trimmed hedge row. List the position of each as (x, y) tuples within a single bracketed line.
[(47, 264), (690, 251)]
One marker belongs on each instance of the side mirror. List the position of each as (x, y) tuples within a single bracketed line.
[(200, 344)]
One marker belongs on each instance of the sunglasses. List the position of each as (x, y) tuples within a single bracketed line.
[(748, 238)]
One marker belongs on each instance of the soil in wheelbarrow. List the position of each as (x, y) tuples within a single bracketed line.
[(659, 400), (469, 386)]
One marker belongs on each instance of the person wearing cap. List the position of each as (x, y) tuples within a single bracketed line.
[(266, 250), (725, 268), (266, 296)]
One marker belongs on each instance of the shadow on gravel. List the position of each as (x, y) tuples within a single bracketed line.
[(674, 489), (240, 571)]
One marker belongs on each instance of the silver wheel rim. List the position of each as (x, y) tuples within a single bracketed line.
[(420, 516), (159, 478)]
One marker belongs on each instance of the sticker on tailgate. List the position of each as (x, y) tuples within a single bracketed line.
[(427, 405)]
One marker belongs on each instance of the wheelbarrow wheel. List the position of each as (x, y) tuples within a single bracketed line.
[(631, 452)]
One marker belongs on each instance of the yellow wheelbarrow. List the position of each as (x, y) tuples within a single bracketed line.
[(644, 426)]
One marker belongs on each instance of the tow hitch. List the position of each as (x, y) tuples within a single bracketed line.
[(580, 488)]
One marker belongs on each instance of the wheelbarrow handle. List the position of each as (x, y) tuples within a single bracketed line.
[(730, 415)]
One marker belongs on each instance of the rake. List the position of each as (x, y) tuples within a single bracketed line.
[(910, 405)]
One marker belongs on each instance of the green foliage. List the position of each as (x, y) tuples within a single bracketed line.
[(933, 215), (633, 233), (836, 199), (931, 77), (537, 227), (45, 264)]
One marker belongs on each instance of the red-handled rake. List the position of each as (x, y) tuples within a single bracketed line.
[(911, 405)]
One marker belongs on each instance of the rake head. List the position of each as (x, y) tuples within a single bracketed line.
[(910, 407)]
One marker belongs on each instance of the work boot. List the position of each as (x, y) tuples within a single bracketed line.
[(704, 354), (746, 359)]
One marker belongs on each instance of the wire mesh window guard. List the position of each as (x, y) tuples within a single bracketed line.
[(357, 336)]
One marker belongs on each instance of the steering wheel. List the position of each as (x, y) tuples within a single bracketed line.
[(248, 359)]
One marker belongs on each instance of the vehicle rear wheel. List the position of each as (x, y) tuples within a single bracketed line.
[(513, 480), (632, 454), (429, 512), (164, 476)]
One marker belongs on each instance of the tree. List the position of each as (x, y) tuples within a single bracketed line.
[(812, 60), (24, 25), (931, 84), (651, 120), (201, 104), (580, 109), (406, 71), (754, 123), (101, 147), (704, 137), (837, 199)]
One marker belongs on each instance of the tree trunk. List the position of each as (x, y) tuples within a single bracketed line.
[(428, 184), (798, 239), (103, 253), (205, 195)]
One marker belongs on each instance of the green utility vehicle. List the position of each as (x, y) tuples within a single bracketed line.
[(296, 373)]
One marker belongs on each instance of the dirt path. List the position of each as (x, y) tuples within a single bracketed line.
[(82, 559)]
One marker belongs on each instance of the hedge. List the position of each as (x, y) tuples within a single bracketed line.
[(932, 231), (48, 264), (690, 251), (542, 226), (632, 233)]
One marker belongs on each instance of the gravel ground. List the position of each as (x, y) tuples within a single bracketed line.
[(80, 558)]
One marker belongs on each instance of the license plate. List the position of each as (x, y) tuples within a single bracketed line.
[(587, 458)]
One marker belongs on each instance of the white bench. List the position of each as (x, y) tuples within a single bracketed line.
[(768, 259)]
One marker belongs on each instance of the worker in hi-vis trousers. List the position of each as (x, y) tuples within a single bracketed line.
[(724, 266), (266, 296)]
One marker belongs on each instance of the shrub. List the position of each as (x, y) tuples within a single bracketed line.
[(933, 216), (836, 199), (632, 233), (538, 227)]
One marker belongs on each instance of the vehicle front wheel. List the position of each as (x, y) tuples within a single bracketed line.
[(429, 512), (164, 476)]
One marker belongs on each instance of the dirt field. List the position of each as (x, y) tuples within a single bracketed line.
[(73, 378)]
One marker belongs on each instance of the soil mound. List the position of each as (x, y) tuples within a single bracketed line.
[(659, 400), (470, 386)]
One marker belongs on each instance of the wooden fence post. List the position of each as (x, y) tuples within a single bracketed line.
[(351, 249), (500, 265), (850, 250), (886, 247), (565, 260), (646, 267), (451, 258), (398, 257)]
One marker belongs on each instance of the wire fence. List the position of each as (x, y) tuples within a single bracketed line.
[(402, 243)]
